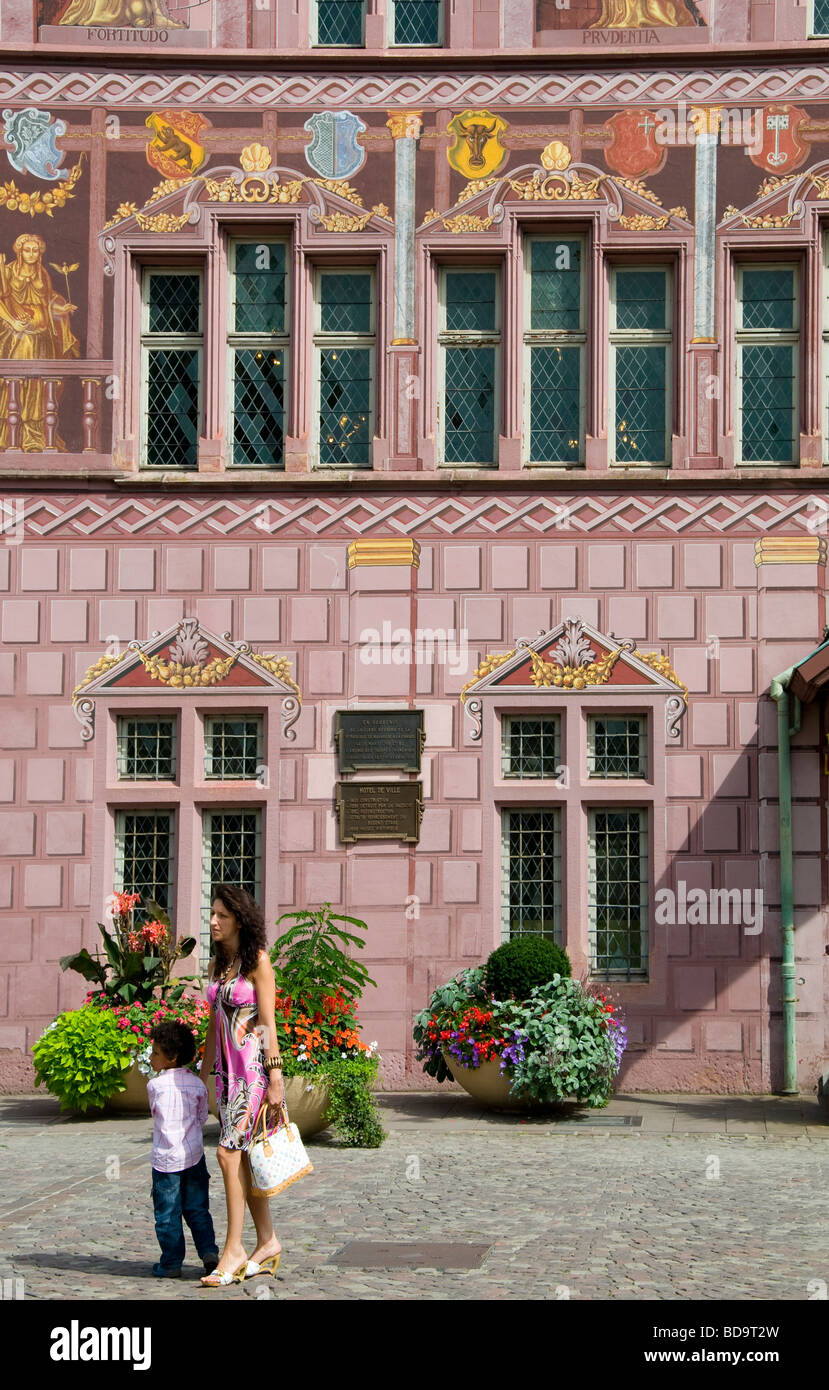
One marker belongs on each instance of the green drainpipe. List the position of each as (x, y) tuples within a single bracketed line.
[(780, 694)]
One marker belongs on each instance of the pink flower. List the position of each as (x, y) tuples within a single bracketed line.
[(136, 1029)]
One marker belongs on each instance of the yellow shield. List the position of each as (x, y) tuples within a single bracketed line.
[(477, 150)]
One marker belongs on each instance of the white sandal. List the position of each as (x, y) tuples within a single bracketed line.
[(220, 1278)]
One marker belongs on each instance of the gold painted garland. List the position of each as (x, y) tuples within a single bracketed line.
[(13, 199)]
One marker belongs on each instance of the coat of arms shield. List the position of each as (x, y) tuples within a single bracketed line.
[(334, 152), (33, 137)]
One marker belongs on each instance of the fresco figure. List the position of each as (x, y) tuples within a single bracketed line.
[(134, 14), (34, 324), (647, 14)]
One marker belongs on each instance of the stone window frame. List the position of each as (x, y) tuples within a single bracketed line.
[(314, 28), (161, 341), (391, 21)]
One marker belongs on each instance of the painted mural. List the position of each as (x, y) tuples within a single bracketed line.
[(34, 324), (138, 14), (620, 14)]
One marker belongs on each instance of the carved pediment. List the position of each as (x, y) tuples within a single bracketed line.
[(187, 660), (781, 200), (571, 658)]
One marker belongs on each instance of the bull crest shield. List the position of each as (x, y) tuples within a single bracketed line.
[(32, 135), (477, 150), (334, 152)]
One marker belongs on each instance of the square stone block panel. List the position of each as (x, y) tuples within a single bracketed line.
[(737, 669), (724, 616), (703, 566), (745, 988), (68, 620), (323, 881), (721, 939), (696, 987), (720, 827), (376, 881), (163, 613), (6, 886), (529, 617), (693, 666), (432, 935), (17, 832), (280, 567), (673, 1034), (438, 724), (390, 989), (436, 614), (35, 991), (605, 565), (64, 832), (582, 606), (308, 619), (654, 566), (423, 882), (260, 620), (5, 568), (679, 939), (232, 567), (385, 938), (321, 775), (64, 731), (788, 615), (81, 885), (677, 829), (20, 620), (44, 673), (296, 829), (18, 728), (59, 936), (709, 723), (136, 568), (88, 570), (471, 829), (42, 885), (38, 568), (116, 618), (732, 774), (558, 566), (459, 880), (743, 569), (382, 680), (510, 566), (328, 566), (460, 776), (723, 1035), (7, 664), (676, 616), (683, 775), (7, 779), (184, 567), (628, 617), (435, 830), (483, 618), (462, 566), (16, 939)]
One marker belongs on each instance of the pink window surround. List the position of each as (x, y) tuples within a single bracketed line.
[(188, 796), (583, 794), (311, 248)]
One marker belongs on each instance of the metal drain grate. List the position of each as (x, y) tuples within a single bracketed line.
[(602, 1122), (410, 1254)]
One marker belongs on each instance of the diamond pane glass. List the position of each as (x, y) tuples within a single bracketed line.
[(470, 301), (340, 22), (233, 748), (640, 298), (641, 385), (144, 857), (616, 748), (768, 407), (173, 407), (345, 303), (174, 303), (532, 873), (768, 298), (821, 22), (146, 750), (232, 853), (260, 278), (417, 21), (555, 294), (345, 401), (258, 407), (617, 892), (555, 382), (470, 405), (531, 747)]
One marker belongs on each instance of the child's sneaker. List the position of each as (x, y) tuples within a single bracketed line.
[(210, 1262), (162, 1273)]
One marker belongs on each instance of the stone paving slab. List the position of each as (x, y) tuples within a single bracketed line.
[(621, 1213)]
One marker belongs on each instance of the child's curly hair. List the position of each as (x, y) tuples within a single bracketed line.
[(175, 1040)]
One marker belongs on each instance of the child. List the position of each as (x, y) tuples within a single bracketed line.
[(178, 1101)]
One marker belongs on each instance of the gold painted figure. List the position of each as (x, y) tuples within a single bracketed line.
[(129, 14), (34, 324), (647, 14)]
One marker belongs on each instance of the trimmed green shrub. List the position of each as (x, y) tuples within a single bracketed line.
[(81, 1058), (524, 963)]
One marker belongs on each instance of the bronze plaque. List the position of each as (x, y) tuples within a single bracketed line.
[(379, 810), (380, 738)]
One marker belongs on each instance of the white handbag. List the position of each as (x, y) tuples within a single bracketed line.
[(277, 1159)]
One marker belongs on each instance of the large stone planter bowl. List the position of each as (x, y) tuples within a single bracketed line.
[(132, 1101), (488, 1087), (308, 1110)]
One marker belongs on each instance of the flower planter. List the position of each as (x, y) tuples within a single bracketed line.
[(306, 1109), (132, 1101), (489, 1087)]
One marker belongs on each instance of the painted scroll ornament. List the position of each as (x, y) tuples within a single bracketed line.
[(334, 152)]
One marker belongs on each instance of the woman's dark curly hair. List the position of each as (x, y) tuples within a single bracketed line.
[(252, 938)]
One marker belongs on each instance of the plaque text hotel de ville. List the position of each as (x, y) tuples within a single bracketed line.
[(379, 811)]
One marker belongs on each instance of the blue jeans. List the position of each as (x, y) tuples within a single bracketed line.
[(177, 1195)]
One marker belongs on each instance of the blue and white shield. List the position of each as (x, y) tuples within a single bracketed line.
[(33, 137), (334, 152)]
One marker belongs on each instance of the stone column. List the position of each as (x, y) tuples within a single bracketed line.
[(703, 382), (406, 128)]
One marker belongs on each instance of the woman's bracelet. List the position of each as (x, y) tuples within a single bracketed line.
[(272, 1064)]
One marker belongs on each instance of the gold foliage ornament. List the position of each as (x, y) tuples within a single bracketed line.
[(490, 663), (103, 664), (179, 675), (279, 666), (547, 673), (14, 199)]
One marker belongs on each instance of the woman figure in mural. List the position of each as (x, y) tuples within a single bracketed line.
[(242, 1042), (648, 14), (34, 324), (131, 14)]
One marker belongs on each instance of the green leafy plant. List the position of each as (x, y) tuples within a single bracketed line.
[(446, 1004), (352, 1108), (309, 961), (519, 965), (81, 1058), (137, 960)]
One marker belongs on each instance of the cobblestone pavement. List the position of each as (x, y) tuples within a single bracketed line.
[(712, 1198)]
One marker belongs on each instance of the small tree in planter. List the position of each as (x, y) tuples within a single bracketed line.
[(138, 960), (317, 990)]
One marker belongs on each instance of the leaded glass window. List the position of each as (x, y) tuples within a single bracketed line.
[(640, 364), (530, 746), (340, 23), (258, 348), (146, 749), (555, 341), (820, 21), (767, 351), (470, 338), (531, 878), (231, 853), (172, 348), (345, 349), (617, 892), (418, 22), (616, 746), (233, 747), (144, 845)]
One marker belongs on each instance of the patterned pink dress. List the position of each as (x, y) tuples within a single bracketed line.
[(241, 1080)]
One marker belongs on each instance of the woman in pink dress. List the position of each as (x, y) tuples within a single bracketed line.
[(248, 1071)]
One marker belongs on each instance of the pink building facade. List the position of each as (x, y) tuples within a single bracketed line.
[(470, 361)]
